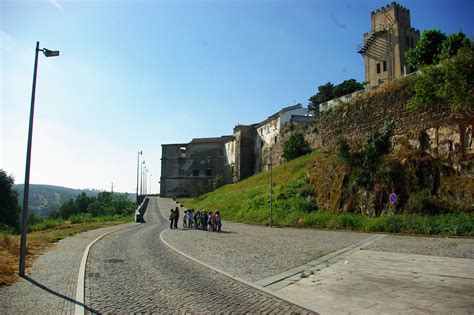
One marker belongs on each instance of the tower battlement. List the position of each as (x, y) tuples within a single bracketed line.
[(389, 7)]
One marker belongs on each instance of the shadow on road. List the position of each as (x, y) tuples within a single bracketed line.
[(67, 298), (141, 211)]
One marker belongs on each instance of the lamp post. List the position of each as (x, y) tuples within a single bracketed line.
[(144, 179), (141, 182), (271, 188), (138, 166), (145, 182), (150, 183), (24, 221)]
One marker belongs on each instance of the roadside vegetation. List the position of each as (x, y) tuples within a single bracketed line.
[(294, 205), (78, 215), (40, 239)]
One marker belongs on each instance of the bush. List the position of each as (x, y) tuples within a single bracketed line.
[(295, 146), (105, 204), (364, 164)]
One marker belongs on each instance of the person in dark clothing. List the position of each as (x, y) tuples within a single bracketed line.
[(176, 217)]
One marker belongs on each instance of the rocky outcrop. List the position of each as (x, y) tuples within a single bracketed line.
[(430, 167)]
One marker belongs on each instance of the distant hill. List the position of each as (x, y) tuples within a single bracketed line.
[(47, 198)]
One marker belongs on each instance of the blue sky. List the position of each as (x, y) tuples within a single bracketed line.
[(133, 75)]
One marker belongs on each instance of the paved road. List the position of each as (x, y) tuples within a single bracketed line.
[(344, 272), (132, 271)]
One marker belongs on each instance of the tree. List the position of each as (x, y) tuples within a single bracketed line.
[(347, 87), (458, 83), (325, 93), (328, 92), (295, 146), (451, 81), (452, 44), (9, 207), (427, 50)]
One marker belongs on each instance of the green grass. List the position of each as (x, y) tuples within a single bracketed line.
[(44, 224), (293, 206), (81, 218), (248, 200)]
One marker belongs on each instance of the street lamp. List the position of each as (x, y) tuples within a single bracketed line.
[(24, 221), (150, 182), (271, 188), (145, 181), (141, 182), (138, 164)]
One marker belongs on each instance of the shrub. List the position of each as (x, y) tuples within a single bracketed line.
[(363, 164), (295, 146)]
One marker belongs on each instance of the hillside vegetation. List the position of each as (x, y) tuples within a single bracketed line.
[(294, 205), (248, 201), (47, 198)]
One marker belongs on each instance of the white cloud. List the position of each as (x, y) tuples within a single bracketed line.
[(56, 4)]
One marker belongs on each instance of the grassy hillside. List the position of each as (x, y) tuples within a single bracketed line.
[(248, 200), (294, 205)]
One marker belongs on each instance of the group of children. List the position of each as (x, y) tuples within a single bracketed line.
[(202, 220)]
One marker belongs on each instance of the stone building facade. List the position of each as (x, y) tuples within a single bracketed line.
[(384, 46), (193, 166), (268, 134)]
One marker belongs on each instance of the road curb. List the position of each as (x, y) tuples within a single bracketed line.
[(79, 307), (236, 278)]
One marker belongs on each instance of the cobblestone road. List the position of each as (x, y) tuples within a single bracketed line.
[(132, 271)]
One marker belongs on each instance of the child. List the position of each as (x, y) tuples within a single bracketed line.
[(209, 221), (218, 221), (204, 220), (171, 218), (185, 219), (197, 220), (190, 218)]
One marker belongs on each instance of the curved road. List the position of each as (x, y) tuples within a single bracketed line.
[(132, 271)]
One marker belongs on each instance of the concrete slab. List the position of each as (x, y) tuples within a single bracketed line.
[(276, 282), (370, 282)]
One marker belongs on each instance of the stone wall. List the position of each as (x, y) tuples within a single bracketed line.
[(357, 120)]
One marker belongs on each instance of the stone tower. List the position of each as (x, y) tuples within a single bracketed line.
[(384, 46)]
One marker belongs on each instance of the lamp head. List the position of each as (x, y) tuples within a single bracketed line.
[(50, 53)]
